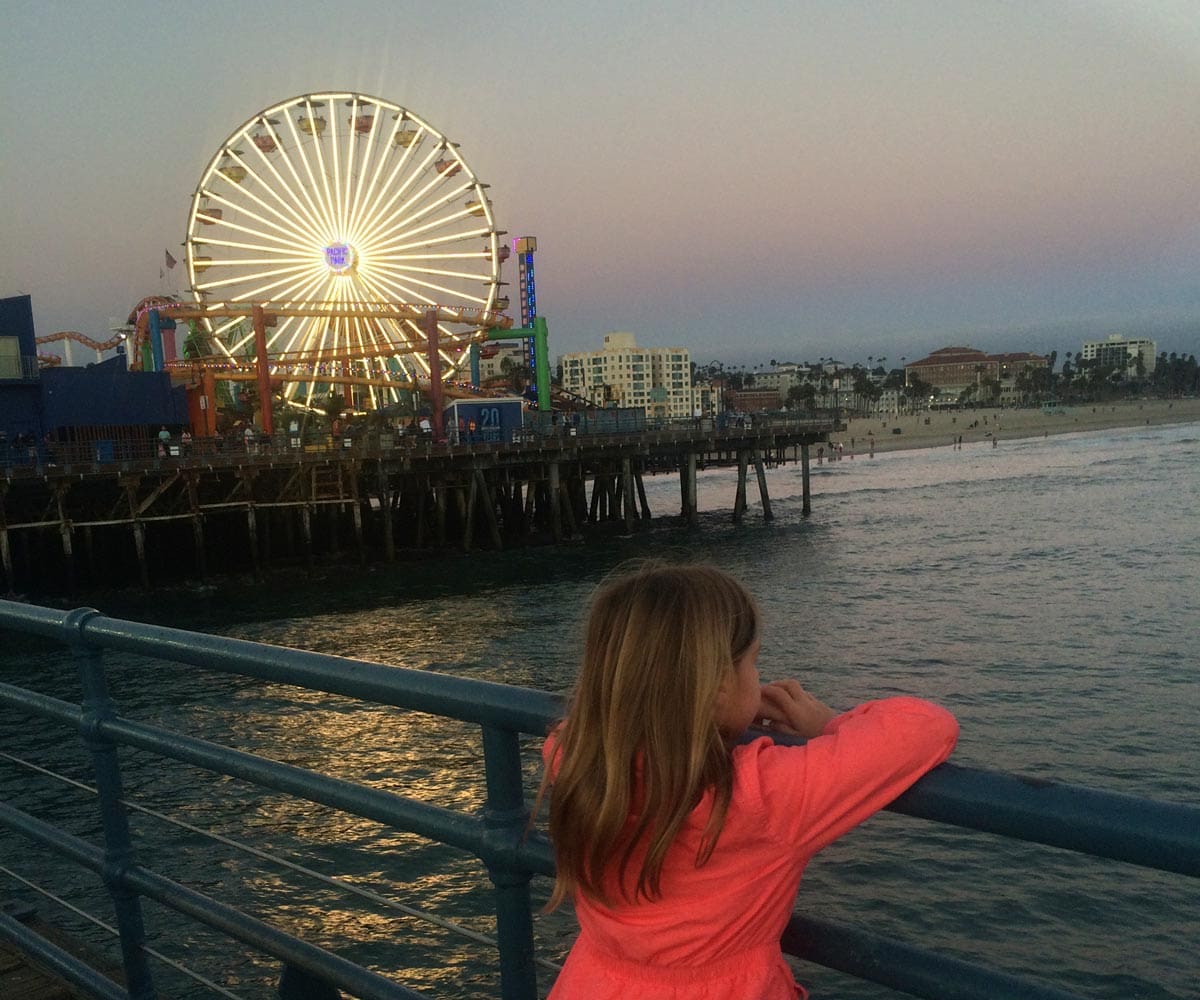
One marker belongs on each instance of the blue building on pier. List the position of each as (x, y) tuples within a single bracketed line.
[(100, 401)]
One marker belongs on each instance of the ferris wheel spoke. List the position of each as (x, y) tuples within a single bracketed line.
[(299, 196), (285, 293), (399, 220), (286, 237), (312, 190), (237, 182), (294, 225), (335, 144), (376, 217), (406, 282), (241, 279), (393, 290), (440, 272), (216, 241), (328, 202), (358, 112), (403, 218), (434, 240), (364, 198)]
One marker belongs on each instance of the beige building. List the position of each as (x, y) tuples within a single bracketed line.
[(656, 379), (1122, 352)]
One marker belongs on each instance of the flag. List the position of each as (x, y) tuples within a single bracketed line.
[(170, 260)]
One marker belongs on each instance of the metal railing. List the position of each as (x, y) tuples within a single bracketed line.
[(1158, 835)]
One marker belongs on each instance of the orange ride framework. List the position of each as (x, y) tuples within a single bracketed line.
[(287, 366)]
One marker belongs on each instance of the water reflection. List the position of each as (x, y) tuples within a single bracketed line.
[(1059, 639)]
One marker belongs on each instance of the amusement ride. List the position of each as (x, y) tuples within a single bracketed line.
[(336, 242)]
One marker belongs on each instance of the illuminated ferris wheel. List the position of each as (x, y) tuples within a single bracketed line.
[(334, 207)]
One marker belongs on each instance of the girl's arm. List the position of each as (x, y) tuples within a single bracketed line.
[(862, 760)]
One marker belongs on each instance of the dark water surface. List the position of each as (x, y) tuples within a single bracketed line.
[(1046, 591)]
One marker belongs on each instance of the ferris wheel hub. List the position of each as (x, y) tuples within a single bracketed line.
[(340, 258)]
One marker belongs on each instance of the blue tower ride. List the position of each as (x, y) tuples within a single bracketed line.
[(525, 247)]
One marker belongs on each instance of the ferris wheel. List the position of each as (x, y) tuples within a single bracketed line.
[(335, 207)]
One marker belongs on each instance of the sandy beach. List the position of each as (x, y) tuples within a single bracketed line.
[(943, 428)]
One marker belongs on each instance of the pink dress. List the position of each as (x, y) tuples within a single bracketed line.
[(715, 931)]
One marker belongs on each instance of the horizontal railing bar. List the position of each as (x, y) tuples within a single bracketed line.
[(434, 822), (1154, 834), (61, 963), (210, 912), (866, 955), (96, 922), (460, 830), (909, 969), (1160, 835), (42, 705), (249, 930), (483, 702), (539, 859)]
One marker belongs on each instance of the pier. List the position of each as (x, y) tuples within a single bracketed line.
[(78, 516)]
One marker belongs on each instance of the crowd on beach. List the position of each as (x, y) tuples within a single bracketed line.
[(989, 427)]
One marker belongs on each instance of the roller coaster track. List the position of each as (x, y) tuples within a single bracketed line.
[(50, 360)]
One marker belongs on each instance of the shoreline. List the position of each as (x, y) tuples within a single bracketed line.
[(943, 428)]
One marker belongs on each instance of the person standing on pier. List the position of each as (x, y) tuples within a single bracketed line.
[(683, 846)]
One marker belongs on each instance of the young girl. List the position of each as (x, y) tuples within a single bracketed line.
[(682, 848)]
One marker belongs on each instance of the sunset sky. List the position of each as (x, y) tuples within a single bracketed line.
[(781, 180)]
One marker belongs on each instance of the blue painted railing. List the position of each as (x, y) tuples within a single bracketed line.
[(1106, 825)]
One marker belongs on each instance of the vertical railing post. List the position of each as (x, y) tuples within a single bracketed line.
[(118, 846), (505, 819)]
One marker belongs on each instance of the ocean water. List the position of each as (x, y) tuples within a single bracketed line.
[(1045, 591)]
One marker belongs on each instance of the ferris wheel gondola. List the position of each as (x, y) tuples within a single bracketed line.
[(351, 205)]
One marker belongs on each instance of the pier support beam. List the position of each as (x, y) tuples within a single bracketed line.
[(489, 508), (555, 511), (641, 491), (628, 499), (805, 482), (64, 527), (306, 531), (139, 531), (252, 529), (739, 499), (693, 515), (760, 472)]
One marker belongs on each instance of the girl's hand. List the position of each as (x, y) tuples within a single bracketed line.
[(786, 707)]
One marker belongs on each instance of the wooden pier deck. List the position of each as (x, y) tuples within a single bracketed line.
[(71, 522)]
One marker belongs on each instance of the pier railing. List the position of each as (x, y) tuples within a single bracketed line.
[(1154, 834), (31, 457)]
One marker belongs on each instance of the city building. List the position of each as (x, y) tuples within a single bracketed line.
[(706, 399), (752, 400), (1121, 352), (953, 370), (655, 379)]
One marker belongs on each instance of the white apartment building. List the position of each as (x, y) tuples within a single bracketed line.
[(493, 354), (656, 379), (780, 378), (1121, 351), (706, 400)]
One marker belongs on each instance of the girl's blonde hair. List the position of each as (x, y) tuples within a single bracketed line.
[(640, 744)]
